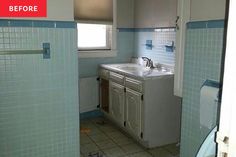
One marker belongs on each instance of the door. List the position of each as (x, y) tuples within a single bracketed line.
[(117, 96), (133, 111), (226, 137)]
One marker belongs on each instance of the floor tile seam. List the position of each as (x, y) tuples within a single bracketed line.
[(126, 145), (150, 153), (99, 149), (168, 150), (116, 145), (163, 149), (119, 146)]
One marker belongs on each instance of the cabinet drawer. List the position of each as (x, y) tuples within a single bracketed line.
[(133, 84), (117, 77)]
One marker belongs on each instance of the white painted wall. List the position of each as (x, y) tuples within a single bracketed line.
[(62, 10), (88, 88), (125, 13), (155, 13), (57, 10), (207, 10)]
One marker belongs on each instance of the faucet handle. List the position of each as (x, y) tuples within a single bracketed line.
[(151, 64), (147, 60)]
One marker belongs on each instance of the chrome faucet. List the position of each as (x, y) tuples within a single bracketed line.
[(149, 62)]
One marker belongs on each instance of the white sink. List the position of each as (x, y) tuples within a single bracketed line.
[(133, 67), (138, 70)]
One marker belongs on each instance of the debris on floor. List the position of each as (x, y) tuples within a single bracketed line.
[(95, 155), (85, 130)]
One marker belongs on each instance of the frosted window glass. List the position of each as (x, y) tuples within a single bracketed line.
[(93, 36)]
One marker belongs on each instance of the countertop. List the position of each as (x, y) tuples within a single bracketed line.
[(138, 71)]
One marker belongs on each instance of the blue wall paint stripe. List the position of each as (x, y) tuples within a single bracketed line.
[(38, 24), (206, 24)]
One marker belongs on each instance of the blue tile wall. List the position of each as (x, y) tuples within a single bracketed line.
[(203, 52), (158, 53), (125, 45), (39, 112)]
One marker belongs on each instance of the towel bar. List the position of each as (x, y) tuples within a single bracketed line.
[(45, 51)]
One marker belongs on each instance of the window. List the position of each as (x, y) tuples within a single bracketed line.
[(94, 37), (96, 27)]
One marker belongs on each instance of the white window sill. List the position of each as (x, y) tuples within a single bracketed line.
[(97, 54)]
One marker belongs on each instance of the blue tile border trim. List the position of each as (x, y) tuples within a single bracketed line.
[(206, 24), (125, 29), (4, 23), (212, 83), (91, 114), (36, 23), (142, 29), (45, 24)]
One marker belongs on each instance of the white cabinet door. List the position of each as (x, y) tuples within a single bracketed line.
[(133, 112), (117, 100)]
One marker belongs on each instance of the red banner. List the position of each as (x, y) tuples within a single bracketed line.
[(23, 8)]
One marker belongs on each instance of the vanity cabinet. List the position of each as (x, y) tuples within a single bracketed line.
[(133, 105), (125, 102), (117, 102), (144, 108)]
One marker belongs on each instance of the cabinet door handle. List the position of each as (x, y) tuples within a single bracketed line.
[(176, 22)]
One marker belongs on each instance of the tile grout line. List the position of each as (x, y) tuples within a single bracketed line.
[(104, 132), (116, 144), (117, 129)]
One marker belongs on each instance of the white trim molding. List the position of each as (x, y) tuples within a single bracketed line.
[(97, 54), (183, 16)]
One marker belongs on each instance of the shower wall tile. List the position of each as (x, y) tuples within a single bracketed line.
[(203, 52), (39, 113)]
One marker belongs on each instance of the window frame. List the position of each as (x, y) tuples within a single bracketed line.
[(101, 53), (108, 40)]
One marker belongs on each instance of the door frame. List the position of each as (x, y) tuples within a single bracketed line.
[(226, 137)]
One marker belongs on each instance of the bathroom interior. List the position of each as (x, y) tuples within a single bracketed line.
[(113, 78)]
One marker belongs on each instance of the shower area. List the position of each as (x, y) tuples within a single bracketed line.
[(39, 113), (202, 83)]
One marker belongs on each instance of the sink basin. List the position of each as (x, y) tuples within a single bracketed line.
[(131, 67), (139, 70)]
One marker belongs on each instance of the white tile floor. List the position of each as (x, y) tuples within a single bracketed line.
[(106, 140)]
